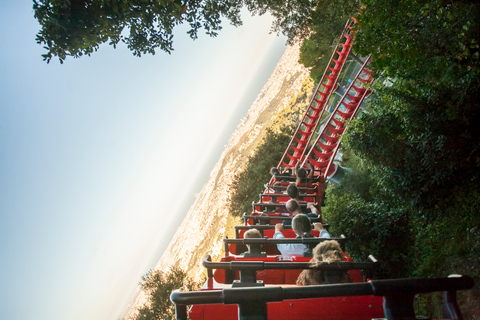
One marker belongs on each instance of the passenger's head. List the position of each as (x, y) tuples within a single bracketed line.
[(302, 173), (252, 233), (277, 187), (293, 206), (324, 252), (328, 251), (292, 191), (301, 225), (274, 171), (264, 221)]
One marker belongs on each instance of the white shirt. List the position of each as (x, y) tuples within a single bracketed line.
[(324, 234), (294, 248), (289, 248)]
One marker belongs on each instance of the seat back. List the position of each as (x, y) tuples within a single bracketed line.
[(277, 276), (270, 248), (337, 308), (269, 276)]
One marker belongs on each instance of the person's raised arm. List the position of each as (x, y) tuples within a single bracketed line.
[(312, 208), (322, 232), (279, 227)]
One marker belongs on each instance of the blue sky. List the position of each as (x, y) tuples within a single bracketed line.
[(100, 158)]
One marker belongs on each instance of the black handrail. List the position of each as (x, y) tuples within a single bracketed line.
[(271, 186), (398, 295), (276, 204), (294, 178), (274, 197), (261, 228), (262, 241), (262, 218), (263, 265), (248, 269), (256, 243)]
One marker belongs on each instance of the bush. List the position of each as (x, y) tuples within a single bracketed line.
[(249, 182), (157, 286)]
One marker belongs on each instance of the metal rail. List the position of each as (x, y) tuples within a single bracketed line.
[(398, 296)]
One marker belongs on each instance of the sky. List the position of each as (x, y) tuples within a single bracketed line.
[(100, 158)]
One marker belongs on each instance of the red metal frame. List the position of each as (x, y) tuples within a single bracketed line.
[(279, 276), (325, 147), (336, 308), (326, 86)]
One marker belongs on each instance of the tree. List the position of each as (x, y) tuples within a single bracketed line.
[(158, 286), (417, 143), (422, 134), (76, 28), (323, 28), (291, 17), (431, 40), (249, 182)]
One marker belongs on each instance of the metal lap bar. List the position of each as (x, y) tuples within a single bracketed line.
[(271, 186), (263, 218), (256, 243), (284, 178), (265, 204), (252, 301), (258, 227), (261, 228), (275, 196), (269, 207), (292, 179), (248, 269)]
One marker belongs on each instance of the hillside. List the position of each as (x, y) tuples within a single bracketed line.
[(204, 224)]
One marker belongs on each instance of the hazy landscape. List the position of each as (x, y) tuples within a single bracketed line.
[(204, 225)]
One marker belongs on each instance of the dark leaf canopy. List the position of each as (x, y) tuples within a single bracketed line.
[(78, 27)]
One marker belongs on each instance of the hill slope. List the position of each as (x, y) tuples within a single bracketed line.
[(204, 224)]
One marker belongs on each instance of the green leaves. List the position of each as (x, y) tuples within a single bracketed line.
[(78, 28), (158, 286), (249, 182), (415, 150), (372, 227), (323, 28)]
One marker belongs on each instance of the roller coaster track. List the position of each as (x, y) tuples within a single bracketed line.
[(325, 147), (327, 85)]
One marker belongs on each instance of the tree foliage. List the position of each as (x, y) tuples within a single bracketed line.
[(158, 286), (75, 28), (323, 29), (414, 195), (249, 182), (373, 227), (78, 27), (423, 131), (291, 17), (435, 41)]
